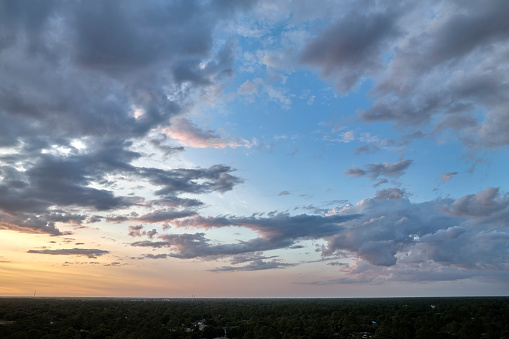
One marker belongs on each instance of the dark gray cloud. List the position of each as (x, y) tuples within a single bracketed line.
[(88, 252), (243, 258), (156, 256), (151, 233), (394, 170), (161, 142), (431, 63), (199, 180), (444, 68), (136, 231), (275, 232), (351, 48), (256, 265), (256, 262), (165, 215), (173, 201), (64, 181), (80, 83)]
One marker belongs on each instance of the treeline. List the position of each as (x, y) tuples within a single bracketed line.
[(255, 318)]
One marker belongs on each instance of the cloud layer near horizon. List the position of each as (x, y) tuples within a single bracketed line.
[(387, 230)]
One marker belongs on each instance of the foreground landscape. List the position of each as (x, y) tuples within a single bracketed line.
[(468, 317)]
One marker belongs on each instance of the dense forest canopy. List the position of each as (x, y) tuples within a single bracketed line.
[(255, 318)]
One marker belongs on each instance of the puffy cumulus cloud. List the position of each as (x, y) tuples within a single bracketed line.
[(188, 134), (395, 238), (88, 252), (394, 170), (81, 82), (484, 204), (468, 248)]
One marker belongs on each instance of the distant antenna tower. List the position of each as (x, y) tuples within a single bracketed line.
[(34, 293)]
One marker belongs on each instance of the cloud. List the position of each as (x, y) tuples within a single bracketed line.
[(136, 231), (368, 149), (173, 201), (243, 258), (483, 204), (160, 141), (165, 215), (82, 84), (152, 233), (394, 170), (438, 231), (390, 194), (422, 70), (355, 172), (88, 252), (256, 265), (188, 134), (277, 231), (216, 178), (346, 137), (26, 223), (447, 176), (388, 236), (351, 48), (446, 77), (249, 88), (156, 256), (282, 193)]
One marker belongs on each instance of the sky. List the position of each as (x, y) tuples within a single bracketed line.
[(254, 148)]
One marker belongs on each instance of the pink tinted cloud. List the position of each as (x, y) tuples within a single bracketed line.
[(189, 134)]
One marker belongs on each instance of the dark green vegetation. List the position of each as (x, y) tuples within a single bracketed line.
[(255, 318)]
